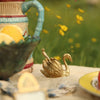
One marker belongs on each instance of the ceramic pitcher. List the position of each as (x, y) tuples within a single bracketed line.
[(12, 12)]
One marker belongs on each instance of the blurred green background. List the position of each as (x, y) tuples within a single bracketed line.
[(82, 41)]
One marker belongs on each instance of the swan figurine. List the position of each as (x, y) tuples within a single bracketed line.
[(53, 68)]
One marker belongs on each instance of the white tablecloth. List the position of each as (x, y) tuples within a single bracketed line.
[(52, 83)]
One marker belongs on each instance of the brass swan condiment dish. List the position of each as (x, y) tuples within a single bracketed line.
[(53, 68)]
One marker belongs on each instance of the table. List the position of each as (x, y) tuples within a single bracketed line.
[(75, 73), (51, 83)]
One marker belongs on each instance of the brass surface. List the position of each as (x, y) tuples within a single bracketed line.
[(53, 68)]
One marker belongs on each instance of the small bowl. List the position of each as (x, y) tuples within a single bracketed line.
[(14, 56)]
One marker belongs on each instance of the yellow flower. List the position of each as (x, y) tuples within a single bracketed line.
[(72, 51), (37, 13), (57, 58), (45, 31), (77, 45), (68, 5), (78, 21), (59, 17), (70, 40), (61, 32), (93, 39), (80, 10), (29, 10), (81, 18), (71, 46), (78, 17), (47, 9), (63, 27), (26, 13), (76, 35)]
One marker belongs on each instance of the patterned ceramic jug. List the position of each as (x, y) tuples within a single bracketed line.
[(12, 12)]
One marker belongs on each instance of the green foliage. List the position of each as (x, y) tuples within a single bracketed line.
[(88, 54)]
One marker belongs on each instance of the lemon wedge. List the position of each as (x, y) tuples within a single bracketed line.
[(13, 31), (6, 38)]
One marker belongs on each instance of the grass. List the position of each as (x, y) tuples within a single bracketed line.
[(88, 54)]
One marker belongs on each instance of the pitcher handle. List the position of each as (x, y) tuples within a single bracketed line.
[(26, 6)]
